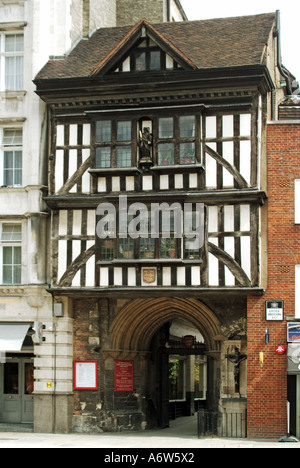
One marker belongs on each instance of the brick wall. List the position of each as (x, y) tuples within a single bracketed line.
[(267, 383)]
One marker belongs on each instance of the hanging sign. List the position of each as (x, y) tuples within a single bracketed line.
[(124, 380), (189, 341), (280, 349), (274, 311)]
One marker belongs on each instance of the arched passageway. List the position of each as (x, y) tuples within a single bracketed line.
[(136, 324), (144, 327)]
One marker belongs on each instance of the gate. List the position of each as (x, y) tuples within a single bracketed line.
[(228, 425)]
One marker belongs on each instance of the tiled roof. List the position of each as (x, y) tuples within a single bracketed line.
[(216, 43)]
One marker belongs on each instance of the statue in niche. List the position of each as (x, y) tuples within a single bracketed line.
[(145, 144), (236, 359)]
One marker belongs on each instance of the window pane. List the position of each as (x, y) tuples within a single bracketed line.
[(8, 178), (124, 156), (11, 265), (7, 255), (155, 60), (187, 153), (17, 256), (147, 248), (103, 131), (190, 250), (13, 73), (11, 378), (17, 274), (12, 168), (140, 61), (166, 128), (103, 157), (11, 233), (107, 249), (166, 154), (168, 248), (29, 380), (187, 126), (14, 43), (12, 137), (126, 248), (8, 159), (124, 131), (18, 178), (7, 265)]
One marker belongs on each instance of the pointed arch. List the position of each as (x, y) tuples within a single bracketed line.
[(136, 324)]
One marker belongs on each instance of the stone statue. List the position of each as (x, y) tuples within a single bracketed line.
[(145, 144), (236, 360)]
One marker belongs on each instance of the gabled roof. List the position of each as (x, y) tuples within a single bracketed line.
[(140, 29), (216, 43)]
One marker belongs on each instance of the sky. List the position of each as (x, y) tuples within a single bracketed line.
[(289, 13)]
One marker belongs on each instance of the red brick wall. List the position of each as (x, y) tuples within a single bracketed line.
[(267, 383)]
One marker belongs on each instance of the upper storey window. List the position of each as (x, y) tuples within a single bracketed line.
[(147, 57), (11, 157), (113, 144), (168, 141), (176, 140), (11, 62)]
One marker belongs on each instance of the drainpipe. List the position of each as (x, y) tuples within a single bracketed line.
[(284, 74)]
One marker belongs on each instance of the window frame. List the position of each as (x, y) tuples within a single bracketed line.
[(13, 244), (177, 141), (14, 148), (145, 247), (4, 54), (114, 144)]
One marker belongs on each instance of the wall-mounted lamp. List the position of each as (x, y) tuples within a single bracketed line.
[(58, 309)]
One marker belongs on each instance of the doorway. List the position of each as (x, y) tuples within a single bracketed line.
[(177, 381), (16, 390)]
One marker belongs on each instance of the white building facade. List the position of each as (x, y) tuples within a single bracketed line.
[(35, 375)]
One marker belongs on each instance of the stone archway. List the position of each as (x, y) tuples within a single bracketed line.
[(132, 333), (138, 321)]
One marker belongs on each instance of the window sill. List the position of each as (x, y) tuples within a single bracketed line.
[(114, 171), (179, 168), (17, 95), (150, 262)]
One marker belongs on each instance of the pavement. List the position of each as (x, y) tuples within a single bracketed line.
[(181, 437)]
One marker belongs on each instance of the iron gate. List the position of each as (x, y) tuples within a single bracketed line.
[(230, 425)]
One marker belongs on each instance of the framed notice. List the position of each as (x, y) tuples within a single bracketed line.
[(274, 311), (85, 375), (124, 380)]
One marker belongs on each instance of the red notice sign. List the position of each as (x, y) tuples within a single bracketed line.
[(124, 376)]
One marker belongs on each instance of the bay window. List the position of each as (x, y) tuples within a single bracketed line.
[(176, 141)]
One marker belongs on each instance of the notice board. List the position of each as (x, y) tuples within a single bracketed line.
[(85, 375), (124, 380)]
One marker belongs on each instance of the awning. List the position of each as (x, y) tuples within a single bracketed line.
[(12, 337)]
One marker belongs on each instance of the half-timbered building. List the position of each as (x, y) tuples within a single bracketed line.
[(138, 116)]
